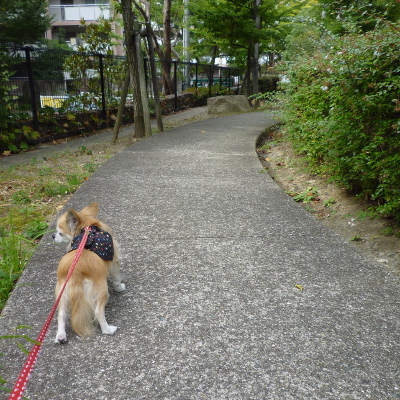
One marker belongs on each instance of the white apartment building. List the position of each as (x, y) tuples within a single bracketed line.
[(67, 14)]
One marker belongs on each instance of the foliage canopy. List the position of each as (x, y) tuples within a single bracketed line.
[(230, 26), (23, 21)]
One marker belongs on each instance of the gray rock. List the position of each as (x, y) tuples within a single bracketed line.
[(228, 104)]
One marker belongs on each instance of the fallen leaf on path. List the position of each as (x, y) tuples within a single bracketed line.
[(299, 287)]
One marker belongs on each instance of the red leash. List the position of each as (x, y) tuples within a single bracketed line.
[(30, 362)]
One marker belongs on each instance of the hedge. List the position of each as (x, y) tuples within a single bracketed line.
[(343, 112)]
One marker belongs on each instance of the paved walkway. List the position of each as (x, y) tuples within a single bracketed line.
[(48, 149), (213, 251)]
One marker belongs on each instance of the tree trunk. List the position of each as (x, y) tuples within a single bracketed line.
[(242, 85), (149, 33), (132, 56), (165, 55), (142, 81), (248, 71), (256, 52), (169, 87), (215, 50), (167, 59), (154, 78), (121, 107), (186, 43)]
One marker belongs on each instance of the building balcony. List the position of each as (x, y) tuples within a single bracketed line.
[(89, 12)]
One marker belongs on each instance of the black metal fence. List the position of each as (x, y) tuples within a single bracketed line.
[(59, 91)]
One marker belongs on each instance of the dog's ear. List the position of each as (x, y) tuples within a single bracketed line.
[(73, 220), (91, 210)]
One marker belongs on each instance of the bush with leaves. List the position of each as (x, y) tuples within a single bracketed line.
[(268, 83), (343, 112), (12, 133), (84, 68), (201, 94)]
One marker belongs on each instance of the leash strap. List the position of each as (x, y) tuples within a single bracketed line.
[(25, 374)]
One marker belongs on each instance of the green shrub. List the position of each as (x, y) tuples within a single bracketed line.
[(343, 112), (268, 83), (12, 134), (201, 94), (15, 252)]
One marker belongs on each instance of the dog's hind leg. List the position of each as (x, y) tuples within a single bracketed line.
[(115, 273), (101, 300), (116, 278), (61, 336)]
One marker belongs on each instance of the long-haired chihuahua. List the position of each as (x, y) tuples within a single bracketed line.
[(86, 293)]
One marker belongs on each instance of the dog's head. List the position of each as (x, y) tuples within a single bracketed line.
[(71, 223)]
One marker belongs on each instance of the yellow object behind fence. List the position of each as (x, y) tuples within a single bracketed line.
[(52, 101)]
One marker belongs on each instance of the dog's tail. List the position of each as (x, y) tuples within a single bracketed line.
[(78, 296), (82, 310)]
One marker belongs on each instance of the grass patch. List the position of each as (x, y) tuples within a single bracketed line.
[(30, 197), (309, 196), (15, 251)]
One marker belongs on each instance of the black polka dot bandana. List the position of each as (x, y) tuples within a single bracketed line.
[(98, 241)]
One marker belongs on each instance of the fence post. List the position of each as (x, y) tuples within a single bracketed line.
[(197, 74), (103, 97), (175, 85), (31, 84), (210, 80)]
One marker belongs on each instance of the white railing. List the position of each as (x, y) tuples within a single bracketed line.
[(89, 12)]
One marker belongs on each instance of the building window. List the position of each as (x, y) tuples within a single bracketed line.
[(99, 2)]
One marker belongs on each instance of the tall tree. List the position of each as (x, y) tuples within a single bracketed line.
[(134, 64), (163, 46), (144, 10), (23, 21), (239, 33), (256, 45), (166, 24)]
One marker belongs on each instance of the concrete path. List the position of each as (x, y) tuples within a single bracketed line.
[(48, 149), (213, 251)]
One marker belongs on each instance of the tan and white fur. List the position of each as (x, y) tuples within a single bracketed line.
[(86, 293)]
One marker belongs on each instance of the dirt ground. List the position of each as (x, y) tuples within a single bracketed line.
[(331, 204)]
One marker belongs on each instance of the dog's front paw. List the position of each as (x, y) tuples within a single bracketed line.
[(61, 338), (109, 330), (119, 287)]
